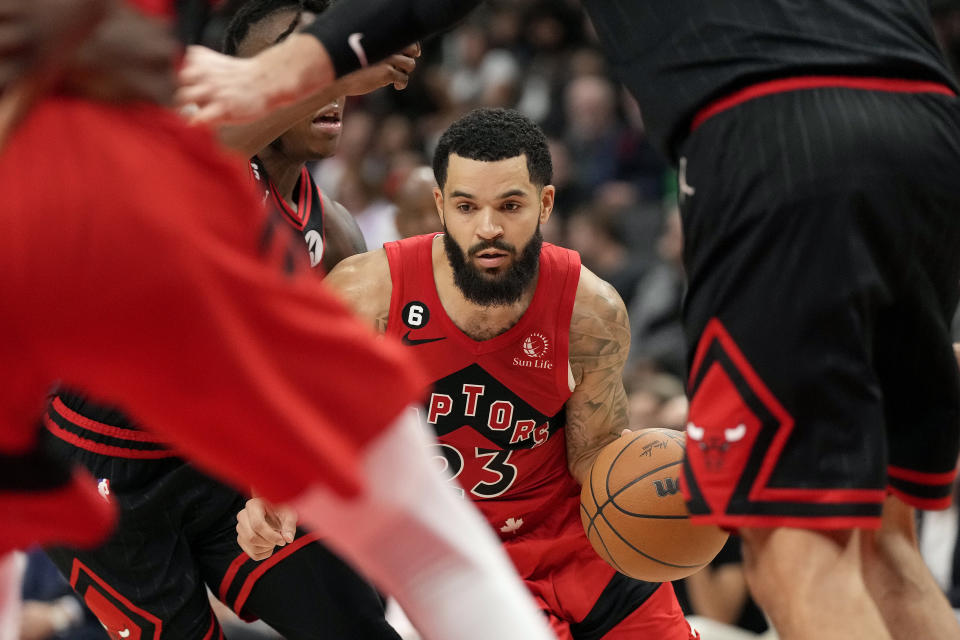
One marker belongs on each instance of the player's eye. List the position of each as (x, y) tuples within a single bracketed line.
[(464, 207), (511, 206)]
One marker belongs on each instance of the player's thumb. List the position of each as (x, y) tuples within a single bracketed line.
[(288, 523)]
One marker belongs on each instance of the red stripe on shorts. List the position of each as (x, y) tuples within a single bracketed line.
[(104, 449), (267, 564), (783, 85), (231, 573), (922, 477), (927, 504), (102, 428), (213, 626), (733, 523)]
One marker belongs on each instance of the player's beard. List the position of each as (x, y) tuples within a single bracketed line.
[(492, 290)]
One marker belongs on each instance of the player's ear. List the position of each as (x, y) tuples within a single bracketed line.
[(438, 198), (546, 202)]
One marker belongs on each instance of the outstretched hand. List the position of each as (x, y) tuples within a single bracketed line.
[(394, 70), (221, 89), (217, 89)]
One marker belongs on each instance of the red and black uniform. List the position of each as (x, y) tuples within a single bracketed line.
[(308, 216), (160, 293), (181, 524), (497, 407), (823, 275)]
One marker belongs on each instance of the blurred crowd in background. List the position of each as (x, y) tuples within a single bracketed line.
[(616, 201), (616, 205)]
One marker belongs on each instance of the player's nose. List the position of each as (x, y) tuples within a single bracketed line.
[(488, 224)]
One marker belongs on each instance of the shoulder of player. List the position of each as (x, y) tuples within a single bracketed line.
[(363, 281), (361, 271), (599, 323), (333, 210), (338, 221)]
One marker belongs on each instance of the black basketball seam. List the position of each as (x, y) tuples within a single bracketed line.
[(645, 555), (675, 436), (613, 561), (596, 503), (591, 526)]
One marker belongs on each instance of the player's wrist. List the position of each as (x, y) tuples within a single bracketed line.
[(307, 66)]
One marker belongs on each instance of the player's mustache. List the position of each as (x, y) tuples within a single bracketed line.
[(491, 244)]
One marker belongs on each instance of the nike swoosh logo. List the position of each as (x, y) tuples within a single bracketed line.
[(354, 41), (412, 343)]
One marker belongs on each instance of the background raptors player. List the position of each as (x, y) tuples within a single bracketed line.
[(525, 348)]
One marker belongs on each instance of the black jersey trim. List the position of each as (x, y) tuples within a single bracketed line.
[(621, 597)]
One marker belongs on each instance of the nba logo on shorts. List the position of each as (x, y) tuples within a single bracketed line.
[(103, 488)]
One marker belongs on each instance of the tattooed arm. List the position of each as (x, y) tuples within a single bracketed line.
[(363, 282), (599, 343)]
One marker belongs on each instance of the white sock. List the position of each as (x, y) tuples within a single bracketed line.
[(429, 548)]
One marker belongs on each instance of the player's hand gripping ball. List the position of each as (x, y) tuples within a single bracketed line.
[(634, 514)]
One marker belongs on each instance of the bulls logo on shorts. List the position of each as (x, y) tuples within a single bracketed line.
[(735, 430), (121, 619)]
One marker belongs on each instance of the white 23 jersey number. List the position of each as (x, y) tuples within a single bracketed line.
[(496, 462)]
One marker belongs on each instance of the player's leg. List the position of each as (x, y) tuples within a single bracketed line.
[(303, 590), (598, 602), (911, 602), (144, 577), (424, 544), (616, 616), (142, 581), (311, 594), (921, 386), (810, 584)]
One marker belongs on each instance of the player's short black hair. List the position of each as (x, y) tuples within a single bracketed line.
[(489, 135), (256, 10)]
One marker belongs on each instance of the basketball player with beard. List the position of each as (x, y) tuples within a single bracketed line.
[(525, 348)]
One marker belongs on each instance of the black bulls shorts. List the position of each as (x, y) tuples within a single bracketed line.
[(177, 536), (822, 231)]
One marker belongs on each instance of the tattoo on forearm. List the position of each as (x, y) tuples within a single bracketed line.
[(599, 342)]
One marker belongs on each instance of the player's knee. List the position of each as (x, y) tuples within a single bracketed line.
[(891, 557), (785, 566)]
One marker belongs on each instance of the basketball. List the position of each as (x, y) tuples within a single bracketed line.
[(634, 514)]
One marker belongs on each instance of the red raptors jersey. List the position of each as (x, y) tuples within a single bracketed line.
[(498, 405)]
